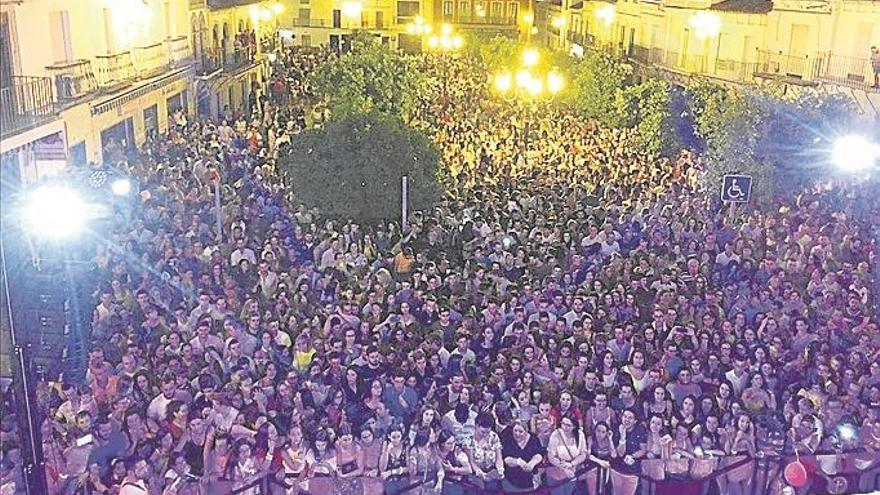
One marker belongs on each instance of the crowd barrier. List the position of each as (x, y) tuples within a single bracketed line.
[(826, 473)]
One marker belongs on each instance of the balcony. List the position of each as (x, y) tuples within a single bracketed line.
[(849, 72), (72, 79), (312, 23), (149, 60), (793, 69), (215, 59), (734, 70), (25, 104), (178, 52), (481, 20), (114, 70)]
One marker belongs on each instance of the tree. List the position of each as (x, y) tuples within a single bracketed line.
[(353, 167), (645, 107), (597, 82), (370, 78)]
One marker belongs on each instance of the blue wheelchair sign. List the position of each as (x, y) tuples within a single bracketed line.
[(736, 188)]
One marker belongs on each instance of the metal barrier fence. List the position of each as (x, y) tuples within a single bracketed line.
[(834, 473)]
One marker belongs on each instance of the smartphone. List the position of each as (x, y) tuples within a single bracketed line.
[(84, 440)]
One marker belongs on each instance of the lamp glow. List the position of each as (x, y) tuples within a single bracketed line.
[(445, 29), (121, 187), (352, 9), (528, 18), (55, 212), (534, 86), (606, 14), (530, 57), (854, 153), (555, 82), (503, 82), (277, 8), (265, 14), (558, 22), (457, 42), (433, 42), (523, 77), (705, 24)]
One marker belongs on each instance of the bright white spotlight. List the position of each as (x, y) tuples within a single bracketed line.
[(854, 153), (121, 187), (54, 212)]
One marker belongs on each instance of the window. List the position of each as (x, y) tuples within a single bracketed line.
[(304, 17), (306, 40), (479, 8), (464, 9), (512, 10), (337, 18), (497, 10), (448, 8), (380, 19)]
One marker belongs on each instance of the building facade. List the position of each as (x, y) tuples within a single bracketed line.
[(231, 41), (77, 75), (800, 43)]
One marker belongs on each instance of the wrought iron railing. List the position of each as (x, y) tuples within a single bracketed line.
[(178, 51), (851, 72), (149, 60), (780, 65), (114, 69), (26, 103), (499, 20), (72, 80)]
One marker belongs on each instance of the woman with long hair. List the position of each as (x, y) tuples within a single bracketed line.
[(602, 452), (293, 460), (349, 463), (566, 453), (485, 455), (740, 446), (393, 462), (455, 463)]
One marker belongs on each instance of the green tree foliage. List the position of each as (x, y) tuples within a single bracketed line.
[(645, 107), (353, 167), (597, 81), (731, 123), (370, 78), (763, 131), (500, 53)]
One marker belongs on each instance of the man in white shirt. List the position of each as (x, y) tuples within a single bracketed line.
[(242, 252), (157, 408)]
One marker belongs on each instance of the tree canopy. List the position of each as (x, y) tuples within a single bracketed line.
[(372, 77), (353, 167)]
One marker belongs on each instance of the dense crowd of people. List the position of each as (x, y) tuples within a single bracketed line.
[(577, 316)]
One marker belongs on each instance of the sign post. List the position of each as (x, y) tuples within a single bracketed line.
[(736, 188), (404, 199)]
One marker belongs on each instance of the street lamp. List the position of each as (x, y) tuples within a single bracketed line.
[(530, 87), (606, 14), (531, 57), (705, 24), (447, 42)]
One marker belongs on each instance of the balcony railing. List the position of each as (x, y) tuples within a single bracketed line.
[(149, 60), (25, 104), (72, 79), (314, 23), (214, 59), (778, 65), (178, 51), (850, 72), (734, 70), (114, 69), (484, 20)]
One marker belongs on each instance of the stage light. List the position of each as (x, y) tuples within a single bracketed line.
[(121, 187), (854, 153), (54, 211)]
